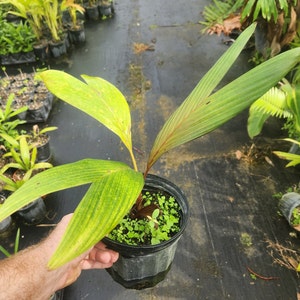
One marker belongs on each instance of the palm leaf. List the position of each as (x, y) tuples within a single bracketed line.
[(98, 213), (201, 113), (78, 173), (97, 97)]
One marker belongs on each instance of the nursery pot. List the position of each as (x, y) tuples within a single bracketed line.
[(5, 224), (144, 266), (77, 36), (92, 12), (58, 49), (41, 51), (287, 204), (106, 9), (44, 151), (34, 212)]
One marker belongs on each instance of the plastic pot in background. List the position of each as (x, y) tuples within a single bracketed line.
[(44, 151), (77, 36), (144, 266), (41, 51), (106, 9), (287, 204), (34, 212), (92, 12), (59, 48), (6, 225)]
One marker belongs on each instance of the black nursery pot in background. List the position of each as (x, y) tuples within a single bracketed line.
[(77, 36), (287, 204), (140, 267), (34, 212)]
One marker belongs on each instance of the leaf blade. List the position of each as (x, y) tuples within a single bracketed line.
[(98, 213), (81, 172), (211, 112), (97, 97)]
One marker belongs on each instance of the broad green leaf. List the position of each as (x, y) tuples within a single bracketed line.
[(272, 103), (208, 113), (97, 97), (59, 178), (102, 208), (256, 121)]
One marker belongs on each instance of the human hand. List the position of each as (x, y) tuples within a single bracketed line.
[(98, 257)]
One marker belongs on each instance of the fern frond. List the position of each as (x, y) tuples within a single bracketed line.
[(217, 12), (273, 103)]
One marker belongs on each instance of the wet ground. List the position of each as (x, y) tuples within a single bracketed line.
[(233, 211)]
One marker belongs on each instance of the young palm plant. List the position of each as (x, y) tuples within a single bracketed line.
[(115, 186)]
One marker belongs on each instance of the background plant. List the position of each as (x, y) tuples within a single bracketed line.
[(277, 22), (282, 102), (8, 125)]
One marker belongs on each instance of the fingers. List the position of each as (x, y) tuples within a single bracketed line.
[(100, 257)]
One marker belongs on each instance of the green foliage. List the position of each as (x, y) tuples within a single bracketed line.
[(292, 157), (37, 134), (31, 11), (115, 187), (16, 245), (7, 125), (72, 8), (24, 158), (217, 12), (282, 102), (268, 9), (15, 38), (295, 219), (160, 226)]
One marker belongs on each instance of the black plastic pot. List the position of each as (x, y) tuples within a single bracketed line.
[(287, 204), (18, 58), (41, 51), (106, 10), (59, 48), (44, 151), (34, 212), (77, 36), (6, 224), (40, 114), (140, 267), (92, 12)]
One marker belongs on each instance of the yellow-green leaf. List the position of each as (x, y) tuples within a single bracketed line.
[(102, 208), (97, 97), (59, 178)]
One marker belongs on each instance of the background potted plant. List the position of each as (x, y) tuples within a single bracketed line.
[(24, 167), (40, 139), (53, 20), (106, 8), (33, 13), (289, 205), (91, 9), (16, 43), (76, 27), (115, 187)]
